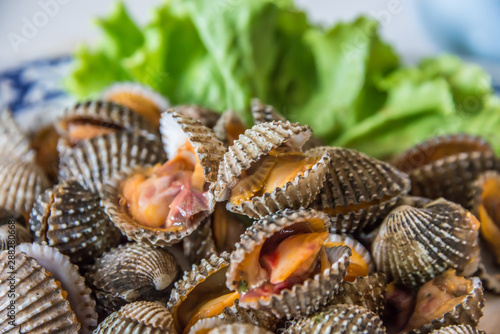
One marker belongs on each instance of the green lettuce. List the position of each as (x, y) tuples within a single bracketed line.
[(343, 80)]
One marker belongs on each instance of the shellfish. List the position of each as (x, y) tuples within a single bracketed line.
[(71, 219), (284, 266), (138, 317), (12, 230), (229, 127), (446, 166), (358, 189), (447, 300), (415, 244), (341, 319), (458, 329), (141, 99), (202, 295), (132, 272), (263, 113), (44, 142), (206, 117), (265, 171), (95, 161)]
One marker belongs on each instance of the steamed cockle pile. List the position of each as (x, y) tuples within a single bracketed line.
[(128, 217)]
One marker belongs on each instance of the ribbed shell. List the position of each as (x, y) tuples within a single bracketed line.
[(176, 129), (39, 303), (339, 319), (13, 229), (294, 195), (415, 244), (468, 312), (21, 183), (446, 166), (205, 116), (13, 142), (93, 162), (488, 269), (105, 113), (239, 329), (368, 292), (132, 272), (263, 113), (138, 318), (458, 329), (71, 219), (302, 299), (67, 274), (358, 189), (197, 275), (119, 214)]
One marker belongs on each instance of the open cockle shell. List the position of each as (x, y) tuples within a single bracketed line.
[(415, 244), (106, 115), (21, 183), (141, 99), (13, 230), (67, 274), (339, 319), (176, 129), (447, 166), (71, 219), (138, 318), (40, 305), (132, 272), (14, 144), (366, 291), (304, 298), (467, 312), (207, 273), (95, 161), (458, 329), (358, 189)]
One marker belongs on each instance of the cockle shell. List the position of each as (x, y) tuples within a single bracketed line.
[(366, 291), (132, 272), (458, 329), (39, 304), (71, 219), (229, 127), (446, 166), (263, 113), (104, 114), (95, 161), (192, 280), (138, 318), (339, 319), (205, 116), (415, 244), (176, 129), (304, 298), (224, 326), (13, 230), (358, 189), (466, 312), (21, 184), (14, 144)]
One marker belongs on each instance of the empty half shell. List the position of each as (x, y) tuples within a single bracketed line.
[(284, 266), (368, 292), (339, 319), (447, 300), (415, 244), (202, 294), (130, 273), (21, 184), (71, 219), (14, 144), (89, 119), (13, 230), (141, 99), (485, 206), (36, 303), (138, 318), (358, 190), (446, 166), (458, 329), (93, 162)]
